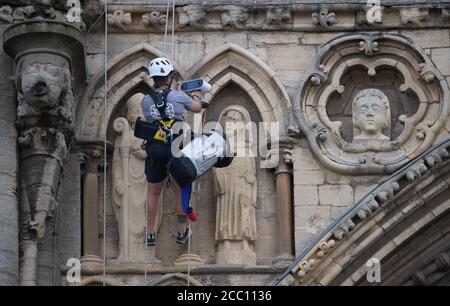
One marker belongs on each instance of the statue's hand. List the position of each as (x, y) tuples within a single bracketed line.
[(140, 154), (121, 188)]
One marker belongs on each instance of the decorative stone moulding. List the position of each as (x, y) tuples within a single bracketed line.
[(361, 226), (418, 80), (260, 16)]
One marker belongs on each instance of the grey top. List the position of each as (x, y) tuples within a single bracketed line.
[(177, 104)]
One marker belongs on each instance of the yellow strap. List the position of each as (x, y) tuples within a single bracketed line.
[(166, 124)]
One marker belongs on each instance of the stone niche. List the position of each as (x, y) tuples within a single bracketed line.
[(203, 199), (370, 103)]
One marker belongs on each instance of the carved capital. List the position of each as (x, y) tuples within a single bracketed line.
[(43, 142), (91, 155)]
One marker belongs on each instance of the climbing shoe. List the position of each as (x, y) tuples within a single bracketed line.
[(150, 239), (182, 238)]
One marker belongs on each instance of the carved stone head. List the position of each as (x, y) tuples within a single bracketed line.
[(134, 108), (42, 85), (371, 114)]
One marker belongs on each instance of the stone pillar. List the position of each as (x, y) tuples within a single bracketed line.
[(69, 216), (284, 203), (50, 61), (9, 211), (92, 158)]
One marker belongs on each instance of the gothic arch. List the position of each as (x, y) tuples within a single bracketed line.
[(403, 223), (233, 64), (176, 279), (127, 74), (98, 281)]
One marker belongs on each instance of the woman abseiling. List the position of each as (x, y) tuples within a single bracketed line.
[(162, 107)]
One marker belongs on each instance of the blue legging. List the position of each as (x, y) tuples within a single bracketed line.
[(186, 198)]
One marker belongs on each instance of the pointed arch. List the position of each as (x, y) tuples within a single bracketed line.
[(127, 75), (232, 63), (98, 281), (176, 279)]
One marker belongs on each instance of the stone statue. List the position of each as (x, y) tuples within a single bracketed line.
[(236, 189), (130, 185), (371, 115)]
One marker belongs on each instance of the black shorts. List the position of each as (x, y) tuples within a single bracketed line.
[(157, 161)]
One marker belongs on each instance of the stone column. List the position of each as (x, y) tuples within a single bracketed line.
[(284, 203), (92, 158), (9, 211), (50, 61)]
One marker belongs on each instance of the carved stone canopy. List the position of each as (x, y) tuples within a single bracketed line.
[(62, 39), (393, 64)]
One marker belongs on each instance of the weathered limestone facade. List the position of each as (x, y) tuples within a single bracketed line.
[(297, 63)]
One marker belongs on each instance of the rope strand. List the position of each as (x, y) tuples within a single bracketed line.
[(167, 26), (173, 29), (104, 145)]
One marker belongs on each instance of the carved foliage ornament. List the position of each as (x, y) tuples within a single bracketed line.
[(324, 18), (419, 80), (68, 11), (279, 15)]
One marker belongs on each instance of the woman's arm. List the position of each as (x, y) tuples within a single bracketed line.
[(197, 96)]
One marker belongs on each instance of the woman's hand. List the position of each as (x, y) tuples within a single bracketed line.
[(197, 94)]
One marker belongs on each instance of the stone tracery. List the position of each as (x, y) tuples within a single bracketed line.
[(380, 52)]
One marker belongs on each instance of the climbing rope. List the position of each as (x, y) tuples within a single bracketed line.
[(167, 26), (173, 29), (105, 104), (189, 252), (145, 239)]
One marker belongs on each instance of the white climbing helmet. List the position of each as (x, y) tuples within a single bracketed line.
[(160, 66)]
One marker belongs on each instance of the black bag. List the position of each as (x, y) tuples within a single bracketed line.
[(145, 130)]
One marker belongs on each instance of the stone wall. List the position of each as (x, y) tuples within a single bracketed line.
[(320, 194), (9, 212), (257, 55)]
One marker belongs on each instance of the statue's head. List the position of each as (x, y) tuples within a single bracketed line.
[(233, 116), (42, 85), (371, 114), (134, 108)]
